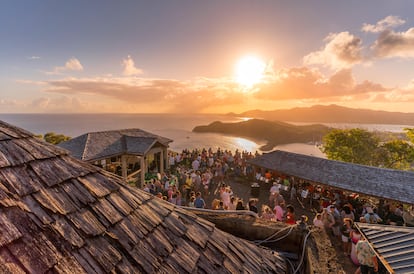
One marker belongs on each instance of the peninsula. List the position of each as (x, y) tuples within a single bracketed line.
[(272, 132)]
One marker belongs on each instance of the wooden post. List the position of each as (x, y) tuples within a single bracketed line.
[(124, 166), (143, 170), (161, 161)]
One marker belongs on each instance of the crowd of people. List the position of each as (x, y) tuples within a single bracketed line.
[(197, 174)]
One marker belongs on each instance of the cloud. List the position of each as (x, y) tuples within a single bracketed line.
[(304, 83), (384, 24), (204, 94), (33, 57), (342, 50), (61, 104), (163, 94), (129, 67), (73, 64), (394, 44)]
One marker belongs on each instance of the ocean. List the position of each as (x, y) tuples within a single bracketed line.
[(177, 127)]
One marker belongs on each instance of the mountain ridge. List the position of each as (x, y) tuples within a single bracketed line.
[(331, 114)]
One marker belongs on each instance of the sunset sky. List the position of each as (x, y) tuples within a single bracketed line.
[(193, 56)]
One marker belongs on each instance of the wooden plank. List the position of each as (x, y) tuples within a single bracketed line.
[(8, 232), (142, 226), (87, 222), (88, 261), (52, 171), (160, 243), (4, 162), (9, 264), (103, 207), (132, 200), (36, 149), (35, 253), (78, 193), (37, 210), (126, 234), (98, 185), (103, 252), (20, 180), (68, 265), (172, 223), (145, 257), (185, 255), (120, 204), (68, 232), (14, 154), (197, 234), (5, 196), (151, 216), (158, 205), (56, 200)]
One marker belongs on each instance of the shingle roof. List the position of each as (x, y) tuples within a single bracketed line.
[(393, 244), (99, 145), (60, 214), (379, 182)]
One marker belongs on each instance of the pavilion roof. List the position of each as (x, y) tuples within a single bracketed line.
[(60, 214), (99, 145), (390, 184), (394, 245)]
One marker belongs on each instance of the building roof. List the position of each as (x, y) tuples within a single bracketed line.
[(100, 145), (60, 214), (394, 245), (379, 182)]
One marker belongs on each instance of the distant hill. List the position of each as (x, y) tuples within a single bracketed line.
[(332, 114), (274, 133)]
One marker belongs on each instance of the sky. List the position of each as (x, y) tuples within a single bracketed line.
[(182, 56)]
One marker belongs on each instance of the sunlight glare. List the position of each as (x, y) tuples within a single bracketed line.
[(249, 71)]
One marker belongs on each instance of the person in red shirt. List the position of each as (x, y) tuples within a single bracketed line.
[(290, 215)]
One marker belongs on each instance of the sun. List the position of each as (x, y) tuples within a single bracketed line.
[(249, 71)]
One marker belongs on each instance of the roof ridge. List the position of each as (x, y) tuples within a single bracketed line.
[(86, 145)]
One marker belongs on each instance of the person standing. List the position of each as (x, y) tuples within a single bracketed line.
[(366, 257), (199, 202)]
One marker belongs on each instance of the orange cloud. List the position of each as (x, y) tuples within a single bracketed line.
[(304, 83)]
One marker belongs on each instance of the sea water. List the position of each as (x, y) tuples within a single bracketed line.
[(177, 127)]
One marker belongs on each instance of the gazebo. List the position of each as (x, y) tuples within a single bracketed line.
[(126, 152)]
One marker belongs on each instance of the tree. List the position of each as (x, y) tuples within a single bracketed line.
[(396, 154), (355, 145), (410, 134), (54, 138), (363, 147)]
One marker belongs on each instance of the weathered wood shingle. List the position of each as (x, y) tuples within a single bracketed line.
[(58, 214)]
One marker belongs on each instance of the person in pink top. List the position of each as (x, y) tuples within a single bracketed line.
[(279, 211)]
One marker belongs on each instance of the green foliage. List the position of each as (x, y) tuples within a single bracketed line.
[(363, 147), (351, 145), (54, 138), (396, 154), (410, 134)]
